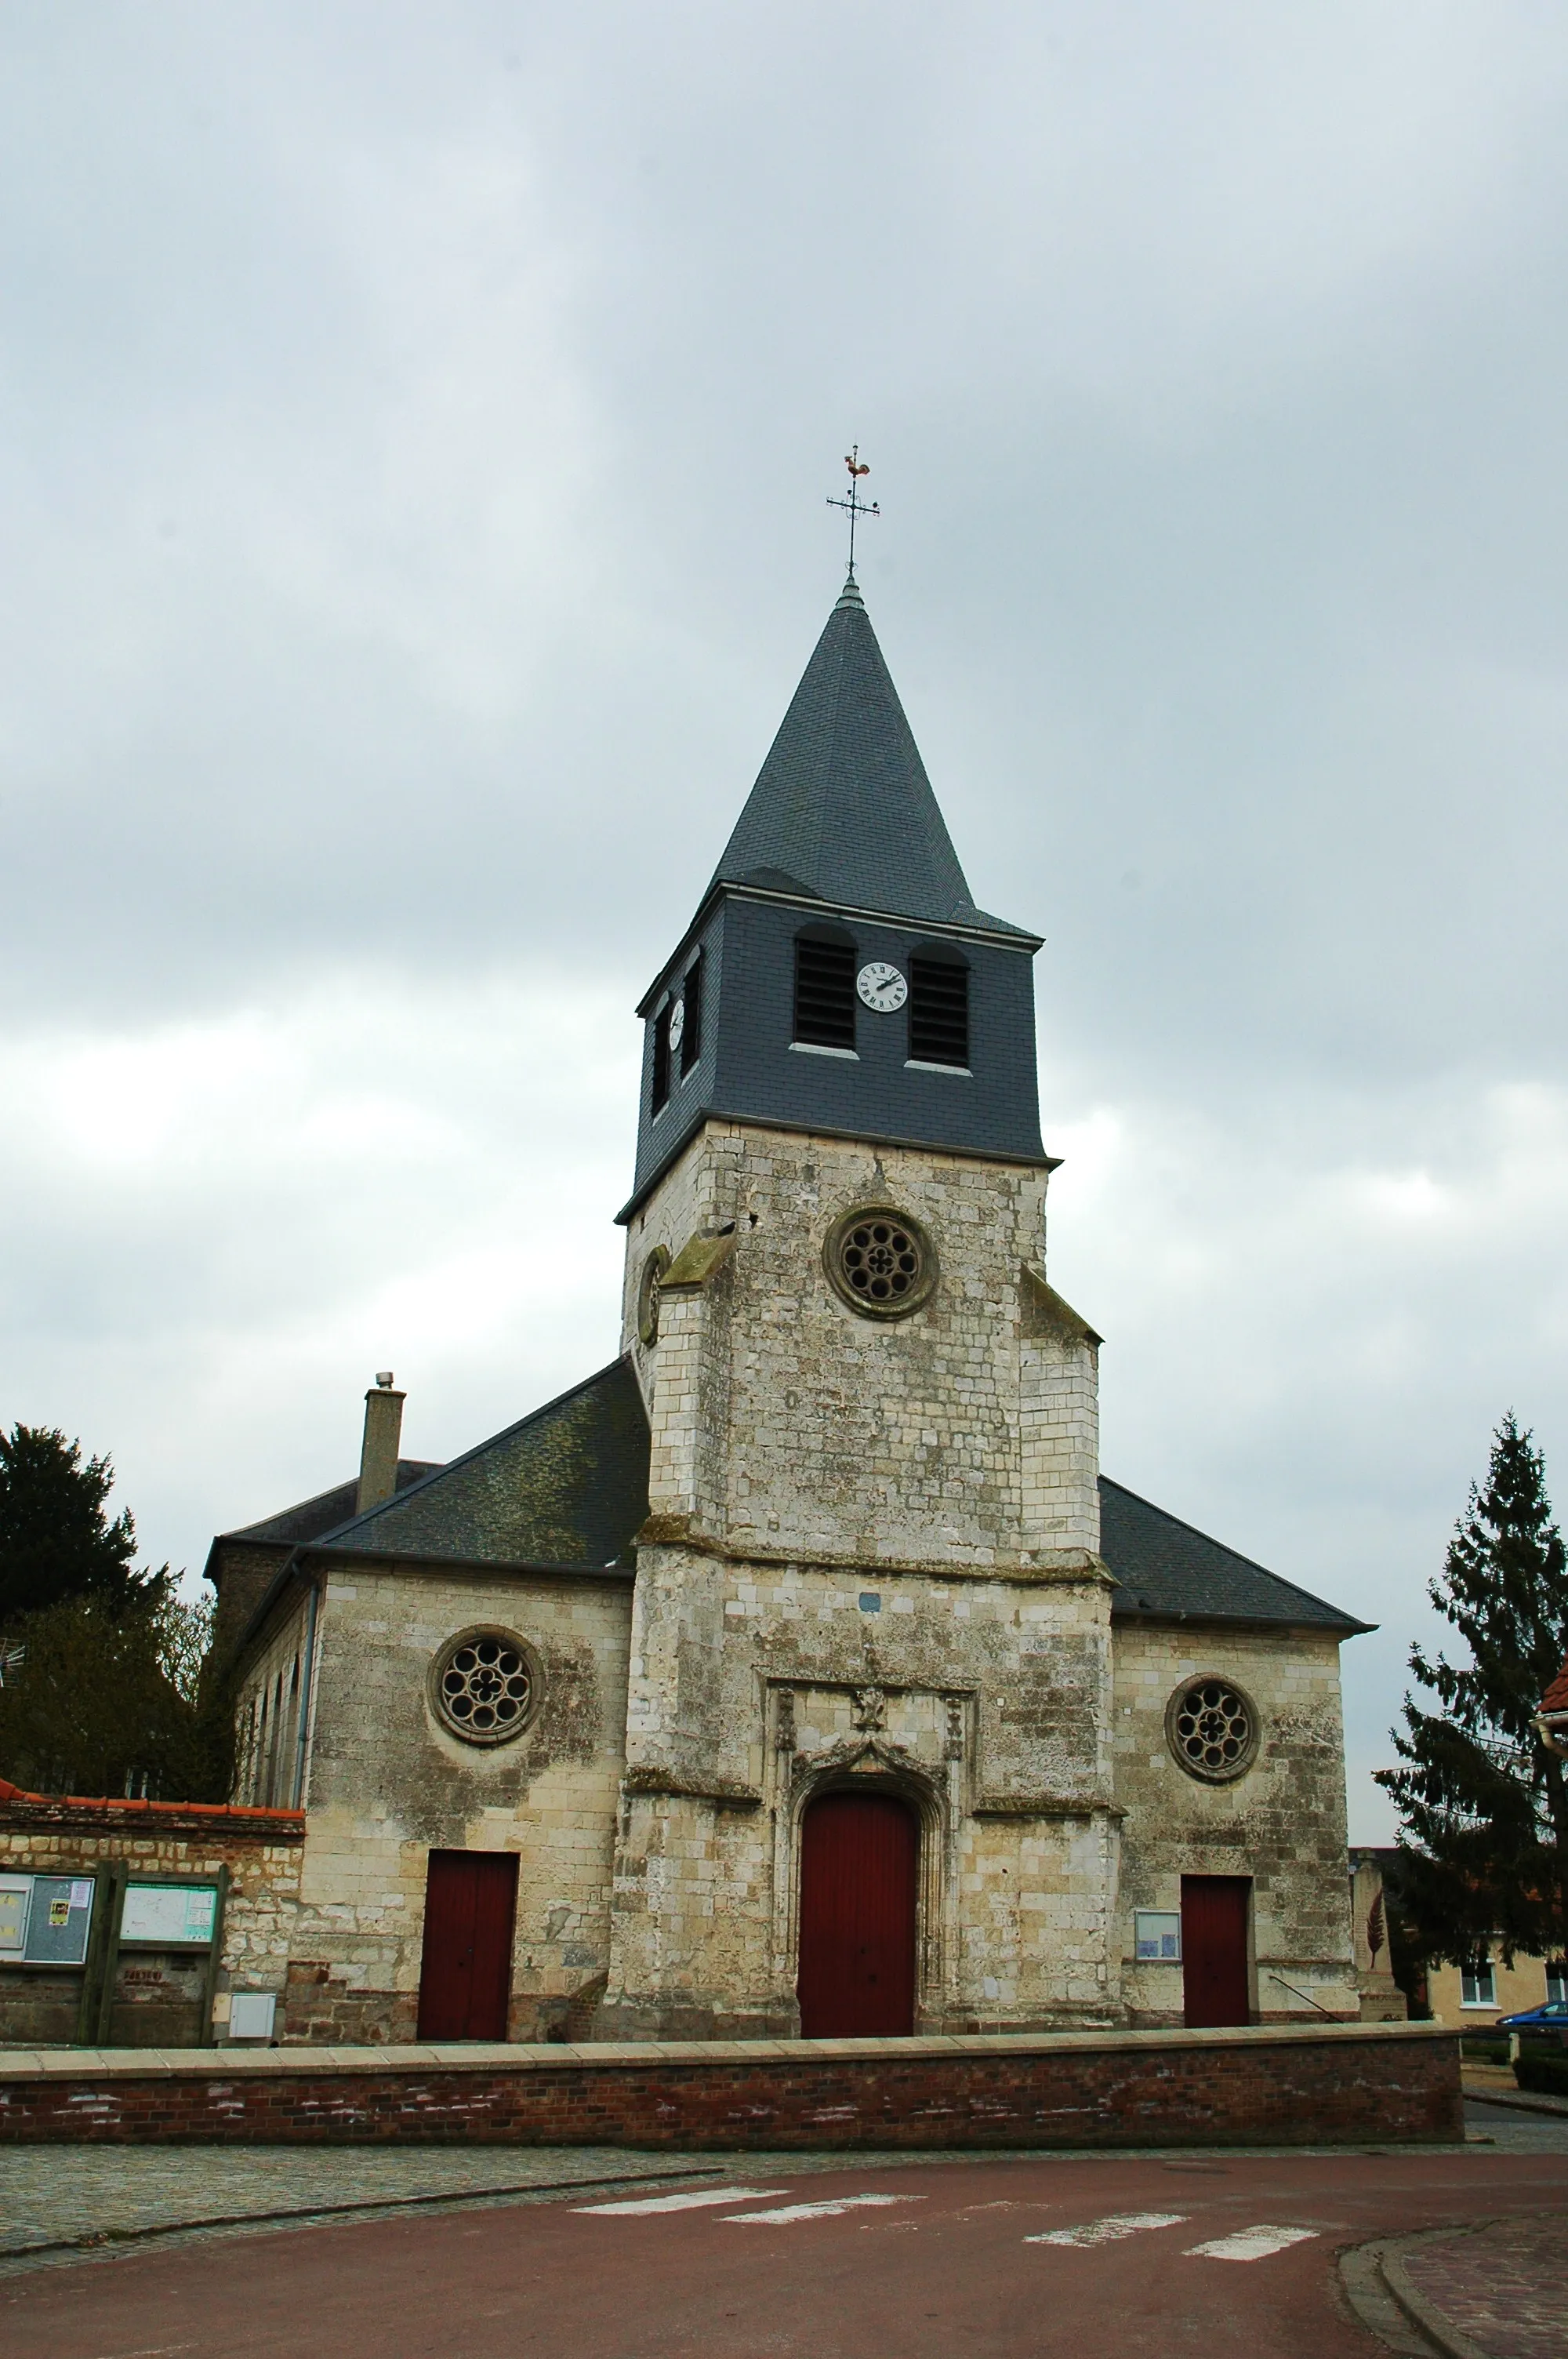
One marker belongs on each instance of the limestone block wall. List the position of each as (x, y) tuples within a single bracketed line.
[(387, 1784), (1058, 1419), (756, 1686), (1281, 1823), (268, 1752), (787, 1425)]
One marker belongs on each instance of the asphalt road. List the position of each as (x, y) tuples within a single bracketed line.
[(1228, 2253)]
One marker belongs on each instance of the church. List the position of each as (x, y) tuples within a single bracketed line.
[(798, 1673)]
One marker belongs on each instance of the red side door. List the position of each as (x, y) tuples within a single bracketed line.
[(858, 1877), (465, 1978), (1214, 1978)]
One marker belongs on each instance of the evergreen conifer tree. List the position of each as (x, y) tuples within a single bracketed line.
[(55, 1538), (1485, 1807), (107, 1684)]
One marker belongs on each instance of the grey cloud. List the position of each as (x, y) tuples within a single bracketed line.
[(414, 432)]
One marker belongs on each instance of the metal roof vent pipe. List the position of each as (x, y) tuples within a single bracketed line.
[(383, 1429)]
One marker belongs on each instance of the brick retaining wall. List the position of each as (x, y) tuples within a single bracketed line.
[(1395, 2083)]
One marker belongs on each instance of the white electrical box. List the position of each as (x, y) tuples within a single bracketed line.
[(250, 2014), (1157, 1936)]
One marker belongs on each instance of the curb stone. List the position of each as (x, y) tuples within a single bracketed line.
[(1378, 2289), (104, 2240), (1519, 2100)]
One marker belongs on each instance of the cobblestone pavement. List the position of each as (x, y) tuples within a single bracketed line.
[(1504, 2286), (1516, 2132), (53, 2195)]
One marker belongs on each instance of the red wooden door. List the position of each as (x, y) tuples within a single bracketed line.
[(465, 1978), (858, 1869), (1215, 1979)]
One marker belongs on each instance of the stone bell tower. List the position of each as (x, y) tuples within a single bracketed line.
[(868, 1783)]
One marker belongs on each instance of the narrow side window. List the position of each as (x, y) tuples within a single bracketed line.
[(658, 1095), (823, 991), (939, 1011), (691, 1001)]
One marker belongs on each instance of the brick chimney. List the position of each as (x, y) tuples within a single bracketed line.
[(378, 1458)]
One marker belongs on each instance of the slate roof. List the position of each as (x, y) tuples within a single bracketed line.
[(293, 1526), (567, 1486), (1168, 1571), (842, 809)]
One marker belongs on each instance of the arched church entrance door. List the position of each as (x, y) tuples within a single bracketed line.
[(858, 1871)]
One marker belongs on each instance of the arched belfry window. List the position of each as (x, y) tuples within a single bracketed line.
[(825, 988), (938, 1009)]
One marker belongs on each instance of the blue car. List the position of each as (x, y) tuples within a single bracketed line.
[(1548, 2022)]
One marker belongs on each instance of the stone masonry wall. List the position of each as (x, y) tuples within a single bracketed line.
[(870, 1553), (388, 1785), (267, 1752), (982, 1703), (158, 1995), (1282, 1822), (785, 1424)]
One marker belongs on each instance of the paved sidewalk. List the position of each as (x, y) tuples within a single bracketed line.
[(1501, 2290), (1483, 2086), (61, 2195)]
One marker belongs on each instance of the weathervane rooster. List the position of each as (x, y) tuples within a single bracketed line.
[(854, 507)]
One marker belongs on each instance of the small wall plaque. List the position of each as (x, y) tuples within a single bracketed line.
[(1157, 1934), (176, 1913)]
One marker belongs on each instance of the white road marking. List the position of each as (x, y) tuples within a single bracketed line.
[(1106, 2231), (788, 2211), (1249, 2244), (690, 2203)]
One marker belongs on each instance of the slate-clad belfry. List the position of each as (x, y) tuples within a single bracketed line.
[(799, 1673)]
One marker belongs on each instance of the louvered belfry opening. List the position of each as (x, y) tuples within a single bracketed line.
[(823, 991), (658, 1094), (939, 1010), (691, 1001)]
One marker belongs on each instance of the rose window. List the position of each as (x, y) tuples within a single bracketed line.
[(881, 1263), (1213, 1728), (484, 1687)]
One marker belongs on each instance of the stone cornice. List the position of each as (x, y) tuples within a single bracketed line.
[(727, 1791), (1044, 1566)]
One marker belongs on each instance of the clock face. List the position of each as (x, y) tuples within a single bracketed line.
[(882, 986), (677, 1023)]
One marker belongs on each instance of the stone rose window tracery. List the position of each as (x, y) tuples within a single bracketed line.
[(1212, 1727), (485, 1686), (880, 1262)]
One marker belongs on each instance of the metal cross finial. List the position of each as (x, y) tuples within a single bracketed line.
[(855, 506)]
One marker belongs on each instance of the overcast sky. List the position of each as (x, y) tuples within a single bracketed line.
[(414, 424)]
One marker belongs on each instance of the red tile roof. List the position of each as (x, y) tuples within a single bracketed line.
[(120, 1803), (1556, 1696)]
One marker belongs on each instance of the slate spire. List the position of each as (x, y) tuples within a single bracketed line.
[(842, 807)]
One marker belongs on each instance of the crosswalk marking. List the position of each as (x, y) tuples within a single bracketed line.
[(688, 2202), (1250, 2244), (1106, 2231), (788, 2211)]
